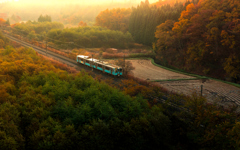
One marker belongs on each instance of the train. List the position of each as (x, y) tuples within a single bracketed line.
[(105, 67)]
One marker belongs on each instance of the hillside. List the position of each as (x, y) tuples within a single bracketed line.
[(203, 40), (45, 107)]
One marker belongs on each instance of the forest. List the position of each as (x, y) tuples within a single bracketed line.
[(203, 40), (145, 18), (44, 106), (80, 37), (47, 105), (195, 36), (90, 37)]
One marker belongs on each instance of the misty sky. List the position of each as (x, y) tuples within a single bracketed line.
[(74, 1)]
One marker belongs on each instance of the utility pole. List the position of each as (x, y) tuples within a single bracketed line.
[(201, 89)]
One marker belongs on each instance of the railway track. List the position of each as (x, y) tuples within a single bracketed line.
[(44, 51), (73, 63), (80, 67), (64, 60)]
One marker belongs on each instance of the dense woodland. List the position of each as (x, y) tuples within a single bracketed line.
[(145, 18), (205, 39), (45, 107), (114, 19), (42, 106), (196, 36), (80, 37), (38, 28), (90, 37)]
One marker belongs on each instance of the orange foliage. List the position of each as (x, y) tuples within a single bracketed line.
[(2, 21), (82, 24), (15, 24), (3, 95), (204, 40), (60, 65), (111, 55), (114, 19)]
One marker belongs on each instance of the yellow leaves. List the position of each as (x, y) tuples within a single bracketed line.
[(207, 44), (214, 31), (3, 95), (232, 66), (180, 26), (190, 11), (227, 39), (2, 43)]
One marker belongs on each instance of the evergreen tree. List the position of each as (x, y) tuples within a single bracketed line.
[(145, 18), (45, 18), (8, 22)]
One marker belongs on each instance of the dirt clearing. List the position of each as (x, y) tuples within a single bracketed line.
[(211, 89)]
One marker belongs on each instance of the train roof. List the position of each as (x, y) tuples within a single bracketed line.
[(83, 56), (98, 61)]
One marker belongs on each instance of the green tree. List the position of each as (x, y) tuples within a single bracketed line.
[(45, 18)]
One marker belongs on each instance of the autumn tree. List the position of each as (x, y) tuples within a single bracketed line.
[(204, 40), (82, 24), (32, 36), (126, 65), (114, 19), (2, 22)]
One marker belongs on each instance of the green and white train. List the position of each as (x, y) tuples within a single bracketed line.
[(100, 65)]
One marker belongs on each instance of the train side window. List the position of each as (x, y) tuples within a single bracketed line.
[(87, 61), (99, 65)]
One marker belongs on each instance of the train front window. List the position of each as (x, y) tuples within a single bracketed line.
[(119, 69)]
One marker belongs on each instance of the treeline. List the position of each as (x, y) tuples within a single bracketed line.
[(172, 2), (114, 19), (39, 29), (43, 107), (204, 40), (145, 18), (35, 31), (90, 37), (81, 37), (140, 21), (73, 14), (45, 18)]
